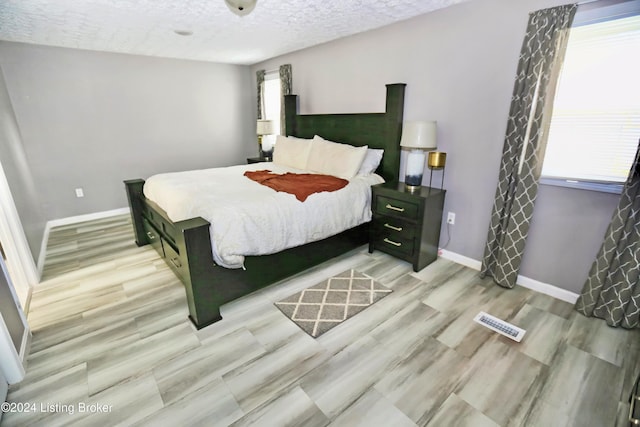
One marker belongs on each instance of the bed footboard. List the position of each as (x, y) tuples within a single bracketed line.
[(185, 247)]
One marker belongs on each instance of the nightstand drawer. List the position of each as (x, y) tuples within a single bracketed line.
[(396, 228), (395, 207), (390, 243)]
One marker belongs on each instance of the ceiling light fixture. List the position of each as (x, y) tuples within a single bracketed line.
[(241, 7), (183, 32)]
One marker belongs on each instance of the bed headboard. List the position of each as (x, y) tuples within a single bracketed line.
[(377, 130)]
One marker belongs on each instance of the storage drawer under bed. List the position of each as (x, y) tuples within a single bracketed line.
[(173, 259), (161, 242), (166, 228), (153, 236)]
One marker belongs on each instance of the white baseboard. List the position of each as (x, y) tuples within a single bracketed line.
[(460, 259), (547, 289), (72, 220), (525, 282), (87, 217), (25, 345), (43, 250)]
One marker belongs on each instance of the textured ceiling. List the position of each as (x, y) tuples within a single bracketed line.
[(147, 27)]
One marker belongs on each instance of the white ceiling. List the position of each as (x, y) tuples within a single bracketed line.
[(147, 27)]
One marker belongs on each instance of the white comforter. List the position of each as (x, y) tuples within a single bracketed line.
[(248, 218)]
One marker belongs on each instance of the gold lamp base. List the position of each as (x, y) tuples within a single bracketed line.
[(260, 144), (412, 188)]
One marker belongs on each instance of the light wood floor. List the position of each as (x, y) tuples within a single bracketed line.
[(110, 329)]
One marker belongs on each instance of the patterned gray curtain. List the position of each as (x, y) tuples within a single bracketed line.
[(260, 86), (542, 51), (612, 290), (285, 89)]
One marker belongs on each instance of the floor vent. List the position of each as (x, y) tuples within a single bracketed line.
[(500, 326)]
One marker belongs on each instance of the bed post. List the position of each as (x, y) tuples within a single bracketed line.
[(290, 114), (134, 195), (195, 266), (393, 127)]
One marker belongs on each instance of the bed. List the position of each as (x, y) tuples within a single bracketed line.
[(186, 245)]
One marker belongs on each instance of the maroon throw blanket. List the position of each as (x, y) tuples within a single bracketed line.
[(301, 185)]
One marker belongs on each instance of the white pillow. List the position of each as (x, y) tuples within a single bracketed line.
[(333, 158), (371, 161), (291, 151)]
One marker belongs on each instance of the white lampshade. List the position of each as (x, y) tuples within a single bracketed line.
[(241, 7), (265, 127), (419, 135)]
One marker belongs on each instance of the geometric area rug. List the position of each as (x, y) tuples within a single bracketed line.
[(323, 306)]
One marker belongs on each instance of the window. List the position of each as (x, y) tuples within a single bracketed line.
[(272, 99), (595, 126)]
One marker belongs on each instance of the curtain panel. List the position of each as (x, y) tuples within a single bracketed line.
[(612, 289), (285, 89), (540, 58), (260, 95)]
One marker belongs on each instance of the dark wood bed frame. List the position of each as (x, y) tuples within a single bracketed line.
[(186, 245)]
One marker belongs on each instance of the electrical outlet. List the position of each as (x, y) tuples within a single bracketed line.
[(79, 192), (451, 218)]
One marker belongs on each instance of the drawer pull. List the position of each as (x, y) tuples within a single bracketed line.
[(150, 235), (394, 208), (393, 227), (176, 261), (391, 242)]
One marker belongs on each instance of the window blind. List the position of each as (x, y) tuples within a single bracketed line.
[(595, 126), (272, 99)]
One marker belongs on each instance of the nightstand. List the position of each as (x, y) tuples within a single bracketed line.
[(406, 224), (255, 160)]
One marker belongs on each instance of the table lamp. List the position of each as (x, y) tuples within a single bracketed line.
[(265, 130), (417, 136)]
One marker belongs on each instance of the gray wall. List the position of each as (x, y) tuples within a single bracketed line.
[(9, 310), (4, 389), (18, 173), (93, 119), (459, 64)]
